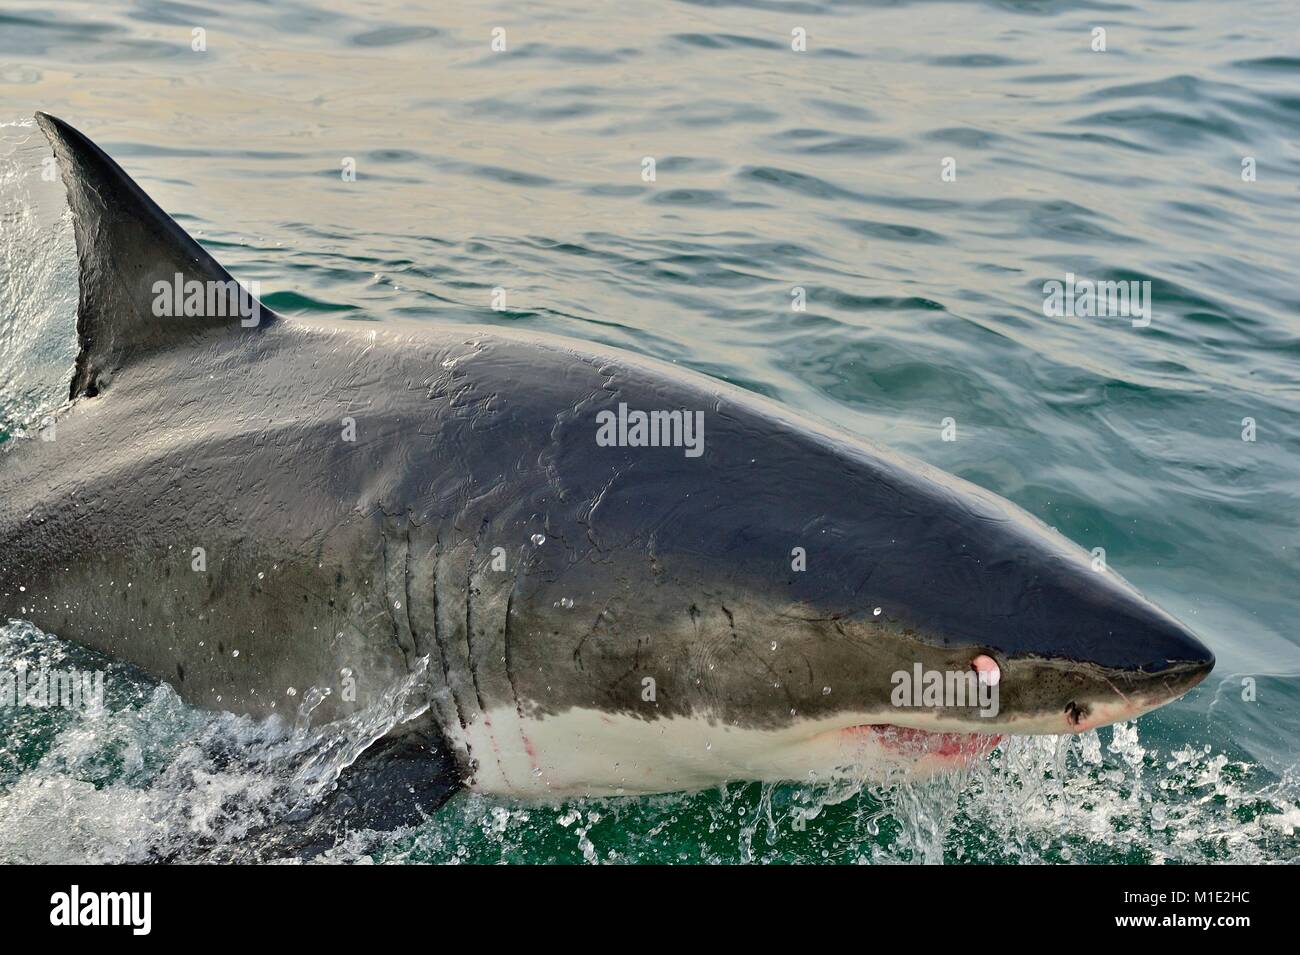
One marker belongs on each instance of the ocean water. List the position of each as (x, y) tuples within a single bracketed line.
[(1172, 156)]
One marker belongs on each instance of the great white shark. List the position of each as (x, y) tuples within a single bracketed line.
[(615, 576)]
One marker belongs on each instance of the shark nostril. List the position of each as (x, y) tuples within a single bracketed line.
[(1074, 713)]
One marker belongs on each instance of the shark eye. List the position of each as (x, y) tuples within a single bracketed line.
[(987, 668)]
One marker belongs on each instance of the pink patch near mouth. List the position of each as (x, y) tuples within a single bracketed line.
[(916, 743)]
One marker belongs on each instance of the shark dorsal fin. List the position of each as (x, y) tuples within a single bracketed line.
[(146, 285)]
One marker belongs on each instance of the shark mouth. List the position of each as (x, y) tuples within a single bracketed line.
[(917, 743)]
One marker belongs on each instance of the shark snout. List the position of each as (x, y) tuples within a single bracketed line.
[(1141, 661), (1057, 648), (1129, 694), (1080, 648)]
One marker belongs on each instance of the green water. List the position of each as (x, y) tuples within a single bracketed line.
[(774, 169)]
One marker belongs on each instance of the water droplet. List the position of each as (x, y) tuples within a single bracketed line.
[(260, 575), (539, 539), (234, 653), (826, 691), (773, 644), (876, 612), (291, 691)]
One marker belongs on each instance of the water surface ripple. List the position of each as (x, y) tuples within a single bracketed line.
[(774, 170)]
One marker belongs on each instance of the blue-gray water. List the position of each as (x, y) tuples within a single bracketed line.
[(774, 169)]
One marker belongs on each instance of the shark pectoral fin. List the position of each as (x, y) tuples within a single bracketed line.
[(145, 284), (397, 782)]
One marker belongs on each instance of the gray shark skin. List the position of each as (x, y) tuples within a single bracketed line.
[(589, 612)]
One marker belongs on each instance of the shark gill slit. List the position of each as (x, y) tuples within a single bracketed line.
[(406, 587), (469, 646), (423, 630), (442, 659), (396, 615), (469, 617), (453, 645), (437, 639), (510, 670)]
